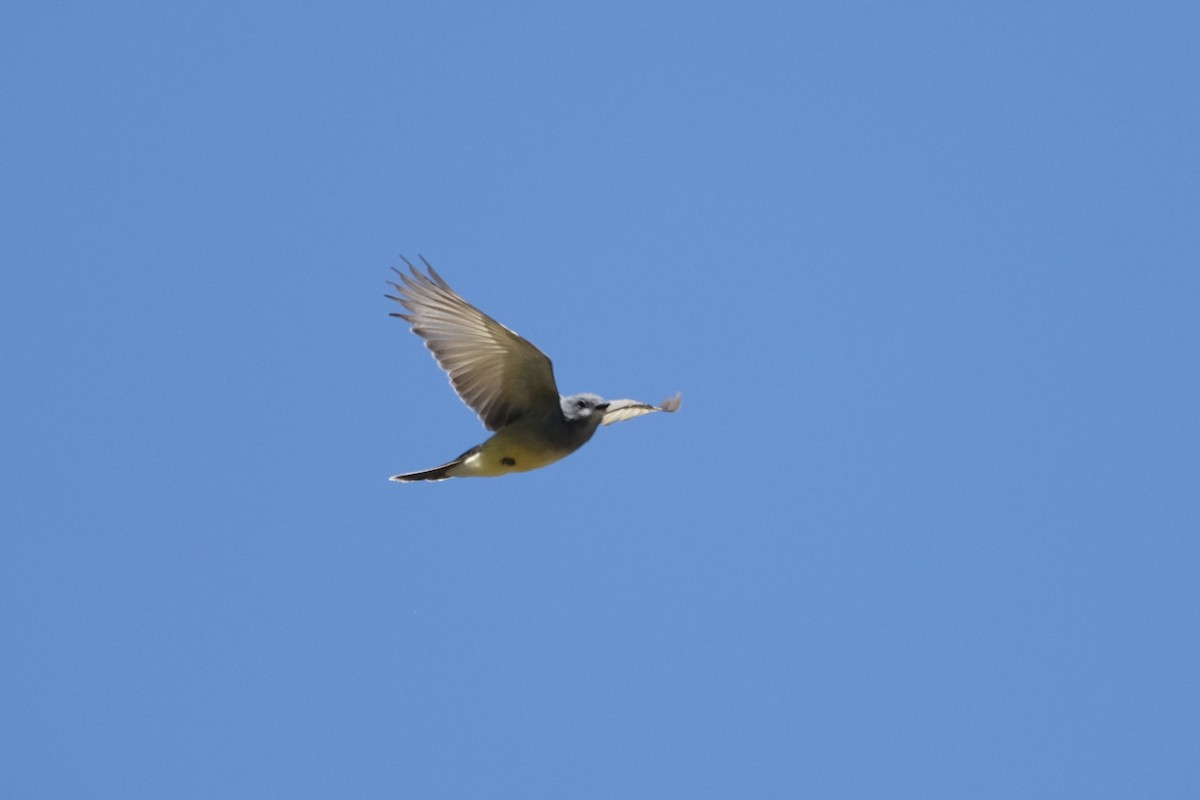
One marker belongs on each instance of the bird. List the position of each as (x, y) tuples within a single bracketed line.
[(504, 379)]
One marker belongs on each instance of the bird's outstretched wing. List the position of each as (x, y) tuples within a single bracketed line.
[(621, 410), (496, 372)]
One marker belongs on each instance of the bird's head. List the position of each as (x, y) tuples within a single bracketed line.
[(584, 407)]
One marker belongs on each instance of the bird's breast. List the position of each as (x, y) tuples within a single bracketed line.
[(520, 448)]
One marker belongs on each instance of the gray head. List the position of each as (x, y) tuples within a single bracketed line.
[(583, 407)]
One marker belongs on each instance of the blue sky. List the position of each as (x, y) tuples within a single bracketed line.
[(926, 525)]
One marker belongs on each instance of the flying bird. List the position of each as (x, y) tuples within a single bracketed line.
[(507, 381)]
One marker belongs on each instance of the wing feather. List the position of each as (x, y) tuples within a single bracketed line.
[(496, 372)]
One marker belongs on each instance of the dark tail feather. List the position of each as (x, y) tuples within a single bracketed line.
[(437, 473)]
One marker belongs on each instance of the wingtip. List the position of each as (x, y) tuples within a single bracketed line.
[(433, 274), (418, 279)]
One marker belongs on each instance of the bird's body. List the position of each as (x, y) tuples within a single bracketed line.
[(506, 380), (524, 445)]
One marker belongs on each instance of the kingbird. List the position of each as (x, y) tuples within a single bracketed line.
[(507, 381)]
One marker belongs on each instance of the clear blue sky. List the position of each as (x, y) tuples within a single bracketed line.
[(927, 275)]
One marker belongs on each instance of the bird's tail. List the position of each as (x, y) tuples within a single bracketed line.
[(437, 473)]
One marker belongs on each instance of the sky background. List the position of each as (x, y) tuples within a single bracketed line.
[(927, 275)]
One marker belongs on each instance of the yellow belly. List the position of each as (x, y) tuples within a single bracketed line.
[(510, 450)]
